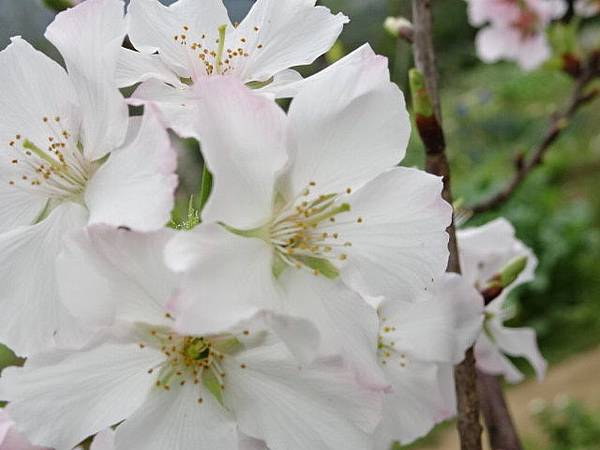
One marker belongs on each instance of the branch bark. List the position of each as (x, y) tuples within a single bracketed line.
[(469, 427), (558, 124), (500, 427)]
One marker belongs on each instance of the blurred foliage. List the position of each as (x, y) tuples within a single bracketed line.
[(568, 426)]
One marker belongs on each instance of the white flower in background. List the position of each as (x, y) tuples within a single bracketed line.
[(196, 39), (10, 438), (515, 30), (67, 160), (180, 391), (484, 252), (419, 344), (304, 201), (587, 8)]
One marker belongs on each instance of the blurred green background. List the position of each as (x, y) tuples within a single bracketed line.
[(491, 113)]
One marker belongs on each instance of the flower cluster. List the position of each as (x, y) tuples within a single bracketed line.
[(310, 308), (514, 29)]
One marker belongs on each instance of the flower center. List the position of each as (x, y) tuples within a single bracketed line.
[(305, 235), (191, 359), (55, 169), (527, 23), (386, 346), (211, 51)]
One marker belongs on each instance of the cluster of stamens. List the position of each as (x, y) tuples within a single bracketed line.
[(527, 24), (305, 230), (189, 359), (386, 346), (211, 52), (55, 168)]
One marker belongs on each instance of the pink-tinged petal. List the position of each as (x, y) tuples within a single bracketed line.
[(175, 420), (209, 258), (134, 67), (29, 293), (177, 105), (495, 43), (279, 34), (285, 84), (346, 126), (60, 398), (319, 407), (136, 186), (533, 52), (89, 37), (242, 135), (105, 440), (106, 274), (153, 28), (396, 234)]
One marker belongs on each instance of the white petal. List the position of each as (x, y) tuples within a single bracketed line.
[(438, 328), (289, 32), (485, 250), (29, 289), (105, 273), (175, 420), (134, 67), (89, 37), (348, 325), (153, 27), (25, 101), (211, 258), (242, 136), (136, 186), (494, 43), (177, 105), (18, 207), (415, 404), (105, 440), (285, 84), (347, 126), (400, 247), (490, 360), (291, 408), (521, 342), (68, 396)]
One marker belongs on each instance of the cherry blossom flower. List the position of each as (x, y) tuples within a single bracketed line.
[(195, 40), (69, 159), (587, 8), (516, 29), (419, 344), (305, 203), (172, 390), (484, 251)]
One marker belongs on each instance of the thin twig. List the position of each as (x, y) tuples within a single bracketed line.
[(469, 427), (558, 123)]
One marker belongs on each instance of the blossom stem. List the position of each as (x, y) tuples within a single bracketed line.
[(469, 426)]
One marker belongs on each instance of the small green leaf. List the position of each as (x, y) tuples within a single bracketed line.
[(213, 384), (512, 270), (322, 266)]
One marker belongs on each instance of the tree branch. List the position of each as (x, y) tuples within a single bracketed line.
[(558, 123), (431, 132)]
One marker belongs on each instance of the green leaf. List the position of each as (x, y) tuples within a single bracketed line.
[(212, 383)]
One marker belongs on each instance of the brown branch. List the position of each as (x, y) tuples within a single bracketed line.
[(500, 427), (469, 427), (558, 123)]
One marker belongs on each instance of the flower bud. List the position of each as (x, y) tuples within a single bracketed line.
[(399, 27)]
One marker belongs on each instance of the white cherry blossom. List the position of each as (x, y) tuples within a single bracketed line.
[(69, 158), (171, 390), (307, 202), (484, 251), (196, 39), (419, 344)]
